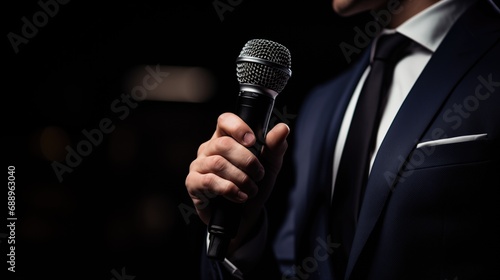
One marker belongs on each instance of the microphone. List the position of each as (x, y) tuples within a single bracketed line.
[(262, 69)]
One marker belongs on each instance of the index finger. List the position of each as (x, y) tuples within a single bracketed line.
[(229, 124)]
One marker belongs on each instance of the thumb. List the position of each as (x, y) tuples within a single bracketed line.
[(276, 146)]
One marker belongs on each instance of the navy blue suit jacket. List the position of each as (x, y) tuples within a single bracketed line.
[(430, 212)]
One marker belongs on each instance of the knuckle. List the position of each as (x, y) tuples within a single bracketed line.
[(222, 117), (223, 143), (187, 181), (190, 183), (227, 189), (217, 163), (207, 180), (201, 148), (192, 166), (222, 120)]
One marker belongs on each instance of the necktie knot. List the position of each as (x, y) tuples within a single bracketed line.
[(391, 47)]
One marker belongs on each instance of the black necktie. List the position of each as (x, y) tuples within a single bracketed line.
[(360, 143)]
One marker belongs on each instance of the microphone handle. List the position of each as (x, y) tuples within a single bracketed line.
[(255, 109)]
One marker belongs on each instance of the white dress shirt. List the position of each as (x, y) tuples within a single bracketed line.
[(427, 29)]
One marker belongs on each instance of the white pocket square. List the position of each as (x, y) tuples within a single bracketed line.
[(452, 140)]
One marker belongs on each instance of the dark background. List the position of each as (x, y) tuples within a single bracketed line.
[(119, 208)]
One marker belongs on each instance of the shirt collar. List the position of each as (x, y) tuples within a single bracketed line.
[(429, 27)]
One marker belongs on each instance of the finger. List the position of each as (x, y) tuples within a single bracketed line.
[(223, 168), (229, 124), (276, 137), (206, 186), (201, 148), (237, 155), (276, 146)]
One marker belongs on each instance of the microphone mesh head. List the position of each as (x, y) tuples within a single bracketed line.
[(256, 73)]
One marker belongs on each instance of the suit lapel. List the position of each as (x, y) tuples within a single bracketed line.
[(324, 117), (468, 39)]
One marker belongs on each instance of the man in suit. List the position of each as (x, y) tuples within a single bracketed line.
[(429, 207)]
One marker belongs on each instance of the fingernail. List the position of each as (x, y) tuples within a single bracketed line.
[(242, 196), (248, 138), (288, 129)]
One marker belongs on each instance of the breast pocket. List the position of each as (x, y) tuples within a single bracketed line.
[(453, 153)]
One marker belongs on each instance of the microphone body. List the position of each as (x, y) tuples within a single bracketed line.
[(263, 69), (255, 110)]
